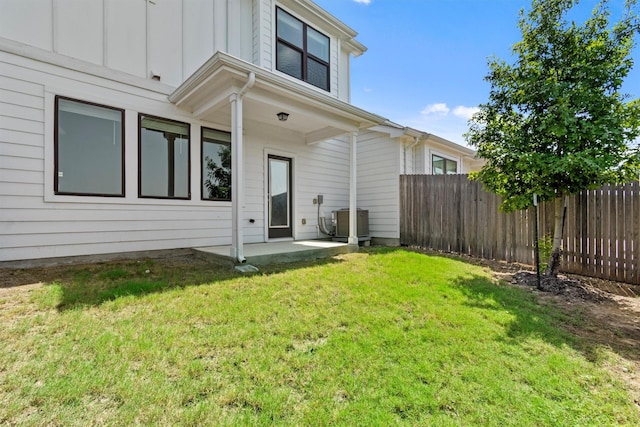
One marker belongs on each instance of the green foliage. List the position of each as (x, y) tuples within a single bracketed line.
[(545, 247), (218, 180), (556, 122)]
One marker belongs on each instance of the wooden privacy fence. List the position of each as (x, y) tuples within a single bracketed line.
[(450, 213)]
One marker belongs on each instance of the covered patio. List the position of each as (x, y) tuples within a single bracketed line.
[(280, 252), (229, 90)]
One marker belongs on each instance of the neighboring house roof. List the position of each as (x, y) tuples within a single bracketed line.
[(395, 130), (313, 113)]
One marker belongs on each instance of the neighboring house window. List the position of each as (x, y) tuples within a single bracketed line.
[(442, 166), (88, 149), (163, 158), (302, 52), (216, 165)]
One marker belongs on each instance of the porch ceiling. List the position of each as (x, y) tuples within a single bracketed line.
[(314, 115)]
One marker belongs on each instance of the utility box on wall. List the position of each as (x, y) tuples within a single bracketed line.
[(342, 223)]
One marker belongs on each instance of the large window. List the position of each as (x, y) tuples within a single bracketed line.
[(163, 158), (89, 149), (442, 166), (302, 52), (216, 165)]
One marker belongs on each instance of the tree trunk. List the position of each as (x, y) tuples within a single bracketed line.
[(553, 265)]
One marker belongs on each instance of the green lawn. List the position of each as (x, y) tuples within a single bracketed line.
[(381, 337)]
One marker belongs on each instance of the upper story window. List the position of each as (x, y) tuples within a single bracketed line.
[(442, 166), (89, 149), (302, 52), (163, 158)]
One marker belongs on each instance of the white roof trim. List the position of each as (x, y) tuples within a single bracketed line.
[(301, 92), (314, 14)]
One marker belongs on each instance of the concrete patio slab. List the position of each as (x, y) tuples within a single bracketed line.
[(280, 252)]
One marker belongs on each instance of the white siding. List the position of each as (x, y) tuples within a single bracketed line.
[(27, 21), (74, 17), (165, 41), (379, 168), (35, 223), (126, 34), (318, 169), (344, 91), (166, 38), (198, 36), (267, 33), (169, 38)]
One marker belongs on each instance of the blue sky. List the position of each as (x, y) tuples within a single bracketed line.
[(427, 59)]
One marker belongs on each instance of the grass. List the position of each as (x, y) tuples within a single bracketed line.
[(376, 338)]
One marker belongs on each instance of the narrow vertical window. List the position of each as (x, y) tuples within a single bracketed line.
[(88, 149), (301, 51), (163, 158), (216, 165)]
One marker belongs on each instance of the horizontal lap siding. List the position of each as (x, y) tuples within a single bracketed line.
[(318, 169), (31, 227), (378, 172)]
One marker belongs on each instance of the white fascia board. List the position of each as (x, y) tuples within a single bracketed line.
[(222, 62), (451, 145)]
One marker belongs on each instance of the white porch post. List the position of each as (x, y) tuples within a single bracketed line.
[(353, 196), (237, 174), (237, 183)]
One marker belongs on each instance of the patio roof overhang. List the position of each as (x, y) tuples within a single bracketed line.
[(315, 115)]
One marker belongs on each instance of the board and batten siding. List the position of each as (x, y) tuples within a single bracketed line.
[(379, 164), (35, 223), (170, 39)]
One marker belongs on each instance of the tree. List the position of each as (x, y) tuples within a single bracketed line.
[(218, 181), (556, 122)]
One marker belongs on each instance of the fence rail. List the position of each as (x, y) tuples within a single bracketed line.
[(450, 213)]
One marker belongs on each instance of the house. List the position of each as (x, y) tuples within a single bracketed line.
[(389, 150), (157, 124)]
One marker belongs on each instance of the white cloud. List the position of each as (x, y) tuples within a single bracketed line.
[(440, 109), (465, 112), (439, 119), (363, 1)]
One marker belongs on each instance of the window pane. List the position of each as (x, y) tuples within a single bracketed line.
[(437, 165), (216, 165), (164, 159), (289, 28), (289, 61), (452, 167), (317, 44), (318, 74), (278, 193), (89, 142)]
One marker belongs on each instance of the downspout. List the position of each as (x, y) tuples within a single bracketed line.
[(415, 142), (237, 174), (353, 197)]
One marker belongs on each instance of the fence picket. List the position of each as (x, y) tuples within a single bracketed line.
[(451, 213)]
